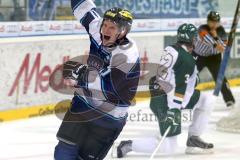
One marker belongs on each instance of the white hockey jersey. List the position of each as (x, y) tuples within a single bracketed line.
[(177, 69), (113, 80)]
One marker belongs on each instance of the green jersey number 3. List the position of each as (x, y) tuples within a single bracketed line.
[(187, 76)]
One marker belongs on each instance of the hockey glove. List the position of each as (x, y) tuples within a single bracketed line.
[(74, 70), (172, 120), (154, 87)]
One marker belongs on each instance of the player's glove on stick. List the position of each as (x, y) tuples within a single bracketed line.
[(154, 87), (74, 70), (173, 120)]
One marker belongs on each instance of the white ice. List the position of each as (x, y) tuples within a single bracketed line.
[(34, 139)]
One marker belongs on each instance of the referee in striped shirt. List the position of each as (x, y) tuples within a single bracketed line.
[(208, 51)]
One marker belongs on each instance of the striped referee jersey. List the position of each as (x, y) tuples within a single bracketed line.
[(205, 45)]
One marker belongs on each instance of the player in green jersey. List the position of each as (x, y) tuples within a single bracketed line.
[(172, 90)]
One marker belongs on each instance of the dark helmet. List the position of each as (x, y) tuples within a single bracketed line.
[(186, 33), (214, 16), (122, 17)]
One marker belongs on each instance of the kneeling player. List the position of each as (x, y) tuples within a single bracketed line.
[(177, 68)]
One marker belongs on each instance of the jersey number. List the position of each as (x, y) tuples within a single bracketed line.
[(187, 76)]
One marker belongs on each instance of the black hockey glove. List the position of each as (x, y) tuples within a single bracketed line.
[(173, 120), (74, 70), (154, 87)]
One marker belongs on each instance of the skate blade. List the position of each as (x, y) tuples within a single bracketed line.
[(197, 150)]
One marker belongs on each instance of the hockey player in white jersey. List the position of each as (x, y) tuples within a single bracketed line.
[(177, 69), (106, 85)]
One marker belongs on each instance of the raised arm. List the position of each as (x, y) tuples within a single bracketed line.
[(85, 12)]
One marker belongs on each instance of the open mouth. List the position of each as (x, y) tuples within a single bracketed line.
[(107, 38)]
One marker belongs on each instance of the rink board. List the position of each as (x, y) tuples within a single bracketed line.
[(26, 64), (47, 109)]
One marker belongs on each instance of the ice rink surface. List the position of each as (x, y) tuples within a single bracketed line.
[(34, 139)]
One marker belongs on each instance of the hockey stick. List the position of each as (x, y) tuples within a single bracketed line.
[(226, 55), (160, 143)]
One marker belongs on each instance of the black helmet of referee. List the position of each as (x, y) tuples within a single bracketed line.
[(214, 16)]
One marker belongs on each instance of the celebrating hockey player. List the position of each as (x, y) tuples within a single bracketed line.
[(177, 67), (106, 85)]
